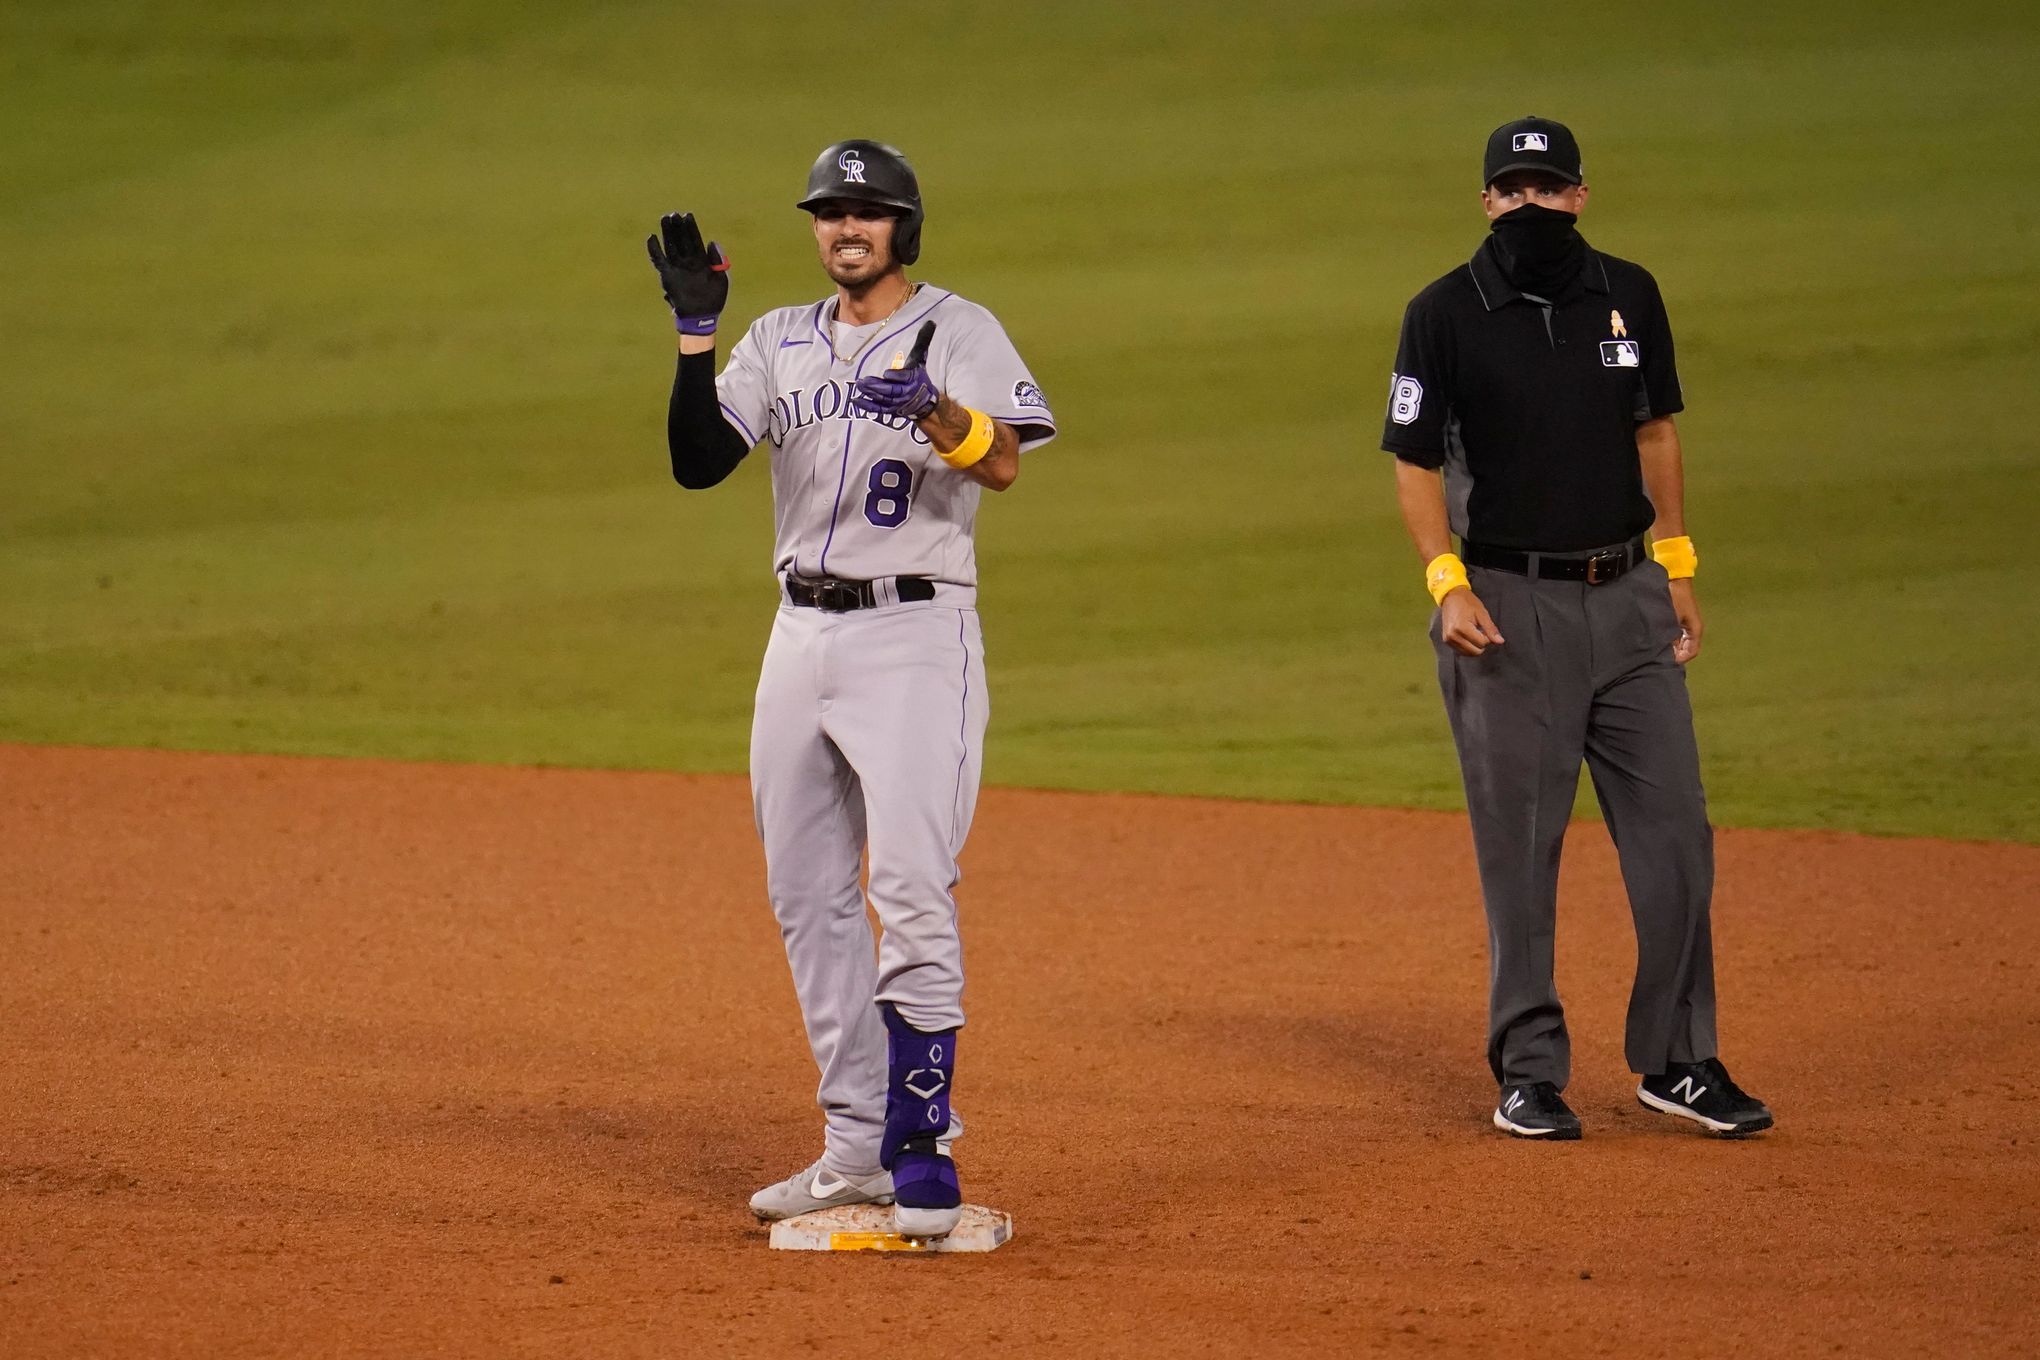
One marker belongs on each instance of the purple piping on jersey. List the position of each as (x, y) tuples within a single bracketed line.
[(738, 421), (962, 737), (815, 321), (1021, 421), (843, 477), (849, 428), (874, 347)]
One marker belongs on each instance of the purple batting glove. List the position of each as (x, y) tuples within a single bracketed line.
[(905, 392)]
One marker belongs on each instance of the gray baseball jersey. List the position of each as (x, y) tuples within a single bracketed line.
[(862, 496), (868, 733)]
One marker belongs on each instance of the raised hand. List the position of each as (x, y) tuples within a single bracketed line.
[(694, 277)]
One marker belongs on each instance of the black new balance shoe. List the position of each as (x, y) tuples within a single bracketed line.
[(1535, 1111), (1703, 1093)]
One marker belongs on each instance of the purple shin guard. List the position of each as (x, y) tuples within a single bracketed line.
[(921, 1069)]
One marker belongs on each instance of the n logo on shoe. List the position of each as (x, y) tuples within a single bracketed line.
[(1687, 1091), (1515, 1099)]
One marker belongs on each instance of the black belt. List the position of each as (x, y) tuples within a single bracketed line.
[(1597, 570), (835, 596)]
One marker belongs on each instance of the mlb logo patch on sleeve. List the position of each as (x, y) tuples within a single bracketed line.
[(1619, 354)]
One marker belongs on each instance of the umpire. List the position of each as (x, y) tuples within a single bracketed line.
[(1531, 415)]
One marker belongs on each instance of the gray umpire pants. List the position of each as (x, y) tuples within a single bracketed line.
[(1585, 672)]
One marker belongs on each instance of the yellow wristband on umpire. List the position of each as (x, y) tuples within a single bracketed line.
[(1676, 556), (975, 445), (1444, 574)]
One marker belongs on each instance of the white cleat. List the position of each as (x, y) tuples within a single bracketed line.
[(820, 1188), (926, 1223)]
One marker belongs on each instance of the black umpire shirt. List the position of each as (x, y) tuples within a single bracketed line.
[(1531, 406)]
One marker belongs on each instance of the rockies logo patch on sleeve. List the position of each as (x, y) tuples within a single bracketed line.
[(1027, 394)]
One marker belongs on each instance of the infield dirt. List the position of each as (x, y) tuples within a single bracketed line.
[(315, 1057)]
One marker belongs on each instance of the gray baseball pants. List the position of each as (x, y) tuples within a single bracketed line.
[(869, 730), (1587, 672)]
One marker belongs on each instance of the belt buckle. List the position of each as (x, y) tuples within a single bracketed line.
[(836, 597), (1614, 560)]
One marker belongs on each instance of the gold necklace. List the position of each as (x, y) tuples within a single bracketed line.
[(912, 288)]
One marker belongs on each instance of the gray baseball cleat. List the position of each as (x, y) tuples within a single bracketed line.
[(819, 1188)]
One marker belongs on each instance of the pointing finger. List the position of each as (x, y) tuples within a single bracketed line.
[(918, 358)]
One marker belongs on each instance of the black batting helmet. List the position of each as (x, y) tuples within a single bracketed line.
[(870, 172)]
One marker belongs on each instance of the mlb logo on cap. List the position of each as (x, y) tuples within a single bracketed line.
[(1532, 143)]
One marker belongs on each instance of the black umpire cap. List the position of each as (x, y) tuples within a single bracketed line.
[(1532, 144)]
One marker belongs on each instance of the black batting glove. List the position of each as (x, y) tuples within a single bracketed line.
[(695, 278)]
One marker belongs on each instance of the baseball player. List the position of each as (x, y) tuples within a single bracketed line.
[(1531, 413), (888, 407)]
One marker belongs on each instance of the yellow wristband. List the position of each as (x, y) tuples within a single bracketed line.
[(975, 445), (1676, 556), (1445, 574)]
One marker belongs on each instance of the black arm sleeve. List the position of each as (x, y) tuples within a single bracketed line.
[(705, 448)]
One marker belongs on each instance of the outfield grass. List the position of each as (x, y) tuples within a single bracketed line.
[(335, 379)]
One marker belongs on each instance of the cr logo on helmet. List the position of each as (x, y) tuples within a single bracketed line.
[(851, 166)]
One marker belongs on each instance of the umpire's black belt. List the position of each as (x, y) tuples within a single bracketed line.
[(1597, 569), (836, 596)]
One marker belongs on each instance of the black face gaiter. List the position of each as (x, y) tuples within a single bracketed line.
[(1541, 251)]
